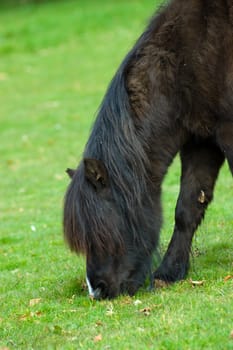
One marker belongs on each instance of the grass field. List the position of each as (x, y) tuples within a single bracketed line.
[(56, 61)]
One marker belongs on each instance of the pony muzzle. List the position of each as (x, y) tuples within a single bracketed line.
[(93, 294)]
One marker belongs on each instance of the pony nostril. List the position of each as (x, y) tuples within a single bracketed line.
[(102, 284)]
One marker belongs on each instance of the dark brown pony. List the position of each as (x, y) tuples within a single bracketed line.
[(172, 93)]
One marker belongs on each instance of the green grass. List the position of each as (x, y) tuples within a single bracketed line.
[(56, 61)]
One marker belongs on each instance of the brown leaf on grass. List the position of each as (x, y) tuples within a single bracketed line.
[(98, 338), (30, 315), (161, 284), (196, 283), (202, 197), (24, 317), (231, 334), (4, 348), (35, 301), (146, 311), (227, 278)]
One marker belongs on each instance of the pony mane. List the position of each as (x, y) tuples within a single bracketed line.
[(115, 140)]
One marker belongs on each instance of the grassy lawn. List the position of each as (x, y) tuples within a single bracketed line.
[(56, 61)]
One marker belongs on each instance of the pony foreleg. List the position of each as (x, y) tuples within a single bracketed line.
[(200, 166)]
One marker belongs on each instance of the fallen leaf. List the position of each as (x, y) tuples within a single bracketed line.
[(202, 197), (99, 323), (98, 338), (35, 301), (146, 311), (24, 317), (30, 315), (4, 348), (196, 283), (231, 334), (227, 278)]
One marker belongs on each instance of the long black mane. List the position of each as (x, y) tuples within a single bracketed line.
[(122, 147)]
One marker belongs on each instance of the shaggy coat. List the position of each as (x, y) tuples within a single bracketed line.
[(172, 93)]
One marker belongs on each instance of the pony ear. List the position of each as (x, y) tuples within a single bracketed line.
[(70, 172), (96, 173)]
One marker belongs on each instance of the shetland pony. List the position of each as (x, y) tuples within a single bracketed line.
[(173, 93)]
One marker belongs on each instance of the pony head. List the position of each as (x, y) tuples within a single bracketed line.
[(99, 223)]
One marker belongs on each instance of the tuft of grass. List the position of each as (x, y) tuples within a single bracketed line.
[(57, 59)]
